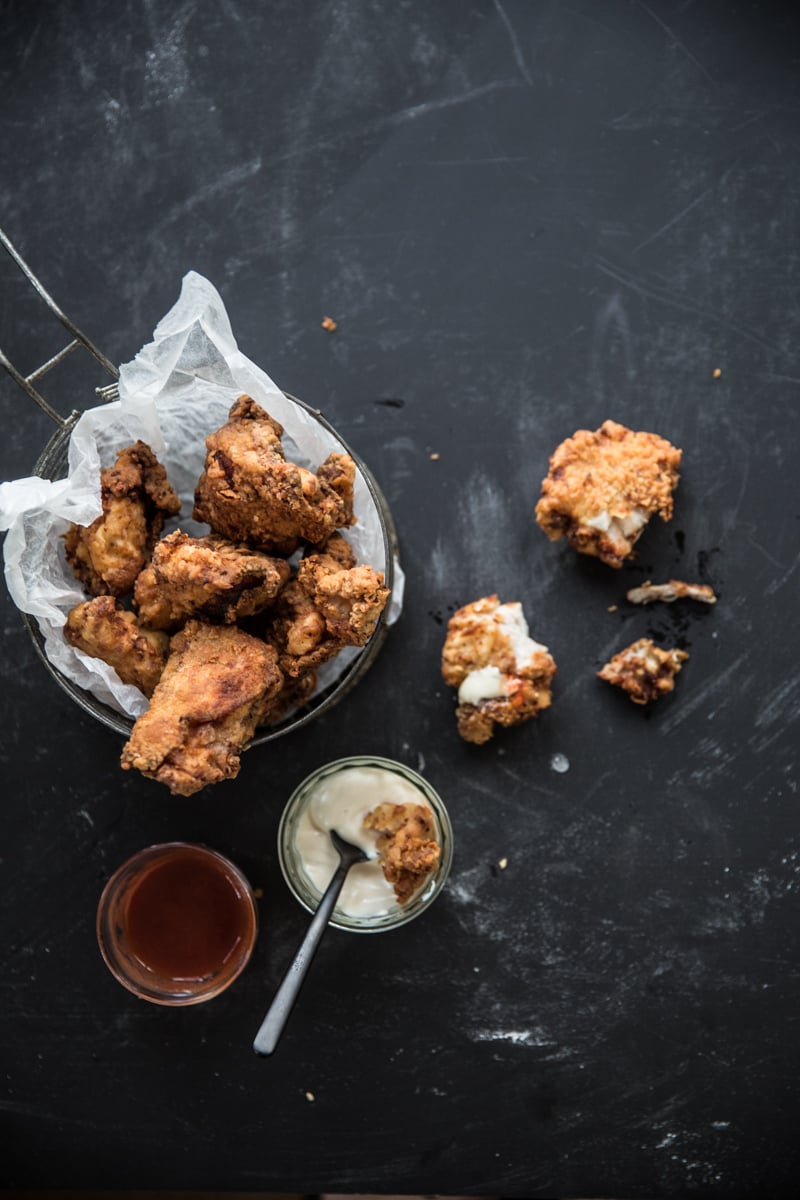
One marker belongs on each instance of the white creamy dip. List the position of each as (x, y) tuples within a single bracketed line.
[(341, 802), (489, 683)]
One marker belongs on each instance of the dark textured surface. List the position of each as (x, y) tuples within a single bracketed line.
[(526, 217)]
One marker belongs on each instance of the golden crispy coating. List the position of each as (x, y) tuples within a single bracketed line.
[(503, 676), (644, 670), (407, 845), (673, 589), (248, 492), (293, 695), (207, 577), (107, 555), (325, 607), (205, 709), (603, 487), (103, 629)]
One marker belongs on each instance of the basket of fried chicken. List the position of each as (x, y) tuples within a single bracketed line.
[(215, 568)]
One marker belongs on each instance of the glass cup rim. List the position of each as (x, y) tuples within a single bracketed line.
[(401, 916), (106, 942)]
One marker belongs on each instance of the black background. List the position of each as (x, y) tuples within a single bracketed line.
[(526, 217)]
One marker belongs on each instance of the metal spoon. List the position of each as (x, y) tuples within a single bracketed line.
[(278, 1012)]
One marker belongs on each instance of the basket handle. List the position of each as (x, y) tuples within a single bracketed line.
[(26, 382)]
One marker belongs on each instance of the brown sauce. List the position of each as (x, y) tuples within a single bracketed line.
[(187, 916)]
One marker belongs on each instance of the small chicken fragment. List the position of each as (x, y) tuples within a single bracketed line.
[(407, 846), (329, 324), (331, 603), (503, 676), (604, 486), (103, 629), (248, 492), (644, 670), (205, 708), (206, 577), (673, 590), (107, 555)]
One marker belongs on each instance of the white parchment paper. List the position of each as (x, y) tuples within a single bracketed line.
[(177, 390)]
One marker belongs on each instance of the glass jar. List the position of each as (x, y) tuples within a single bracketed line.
[(309, 894), (177, 923)]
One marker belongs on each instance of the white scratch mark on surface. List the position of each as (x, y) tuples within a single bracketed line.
[(86, 816), (782, 700), (674, 221), (671, 33), (429, 106), (517, 1037), (665, 297), (515, 46), (704, 693)]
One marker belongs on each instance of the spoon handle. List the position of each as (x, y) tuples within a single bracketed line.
[(277, 1015)]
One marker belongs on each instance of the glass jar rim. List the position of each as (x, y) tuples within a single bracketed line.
[(308, 895)]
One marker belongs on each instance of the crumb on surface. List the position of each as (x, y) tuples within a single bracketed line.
[(502, 863), (716, 373), (435, 456), (310, 1096), (673, 589), (329, 324), (407, 846), (612, 608), (644, 670)]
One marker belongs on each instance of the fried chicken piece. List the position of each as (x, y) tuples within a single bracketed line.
[(248, 492), (293, 695), (673, 590), (603, 487), (137, 497), (407, 845), (103, 629), (207, 577), (325, 607), (205, 709), (503, 676), (644, 670)]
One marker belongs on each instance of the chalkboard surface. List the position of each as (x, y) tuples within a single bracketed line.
[(525, 218)]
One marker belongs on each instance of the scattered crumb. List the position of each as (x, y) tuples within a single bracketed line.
[(502, 863), (435, 456), (258, 893), (716, 373), (612, 608), (674, 589), (644, 670), (329, 324), (310, 1096)]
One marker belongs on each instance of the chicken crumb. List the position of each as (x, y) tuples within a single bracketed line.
[(716, 373), (644, 670), (674, 589), (502, 863), (310, 1097), (258, 893), (612, 608), (329, 324), (435, 456)]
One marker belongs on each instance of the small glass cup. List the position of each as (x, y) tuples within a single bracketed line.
[(309, 894), (177, 923)]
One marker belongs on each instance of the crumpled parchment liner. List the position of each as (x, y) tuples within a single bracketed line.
[(177, 390)]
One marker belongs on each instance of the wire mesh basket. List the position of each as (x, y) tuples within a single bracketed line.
[(53, 464)]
